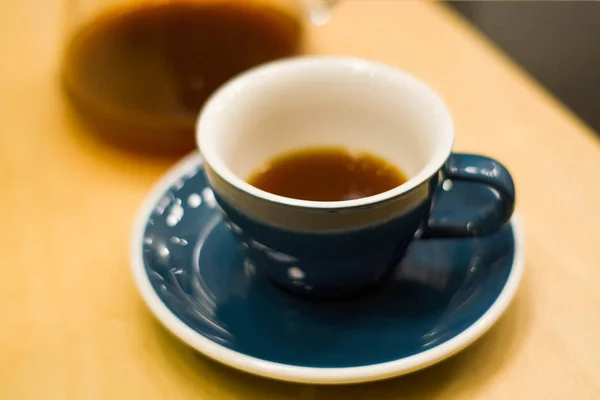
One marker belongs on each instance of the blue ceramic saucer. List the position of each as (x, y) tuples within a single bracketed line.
[(192, 274)]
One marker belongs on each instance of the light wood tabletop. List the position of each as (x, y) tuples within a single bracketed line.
[(74, 327)]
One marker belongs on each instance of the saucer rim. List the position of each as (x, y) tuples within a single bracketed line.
[(291, 373)]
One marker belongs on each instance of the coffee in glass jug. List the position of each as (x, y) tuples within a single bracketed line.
[(140, 71)]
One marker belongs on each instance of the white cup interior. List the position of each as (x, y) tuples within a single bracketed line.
[(325, 101)]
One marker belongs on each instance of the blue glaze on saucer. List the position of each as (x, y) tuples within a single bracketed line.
[(198, 268)]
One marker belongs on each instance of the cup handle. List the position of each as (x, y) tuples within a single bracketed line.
[(484, 192)]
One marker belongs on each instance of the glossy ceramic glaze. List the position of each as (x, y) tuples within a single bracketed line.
[(192, 272), (343, 247)]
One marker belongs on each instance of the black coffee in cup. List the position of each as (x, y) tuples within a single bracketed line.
[(327, 174)]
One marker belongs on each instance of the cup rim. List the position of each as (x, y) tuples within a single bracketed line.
[(216, 108)]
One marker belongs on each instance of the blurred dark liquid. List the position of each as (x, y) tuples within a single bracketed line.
[(141, 74)]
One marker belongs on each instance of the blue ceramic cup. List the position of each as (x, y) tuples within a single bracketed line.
[(331, 249)]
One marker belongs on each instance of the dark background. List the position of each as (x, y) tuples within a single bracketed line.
[(557, 42)]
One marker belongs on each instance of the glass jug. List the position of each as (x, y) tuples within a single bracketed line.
[(140, 70)]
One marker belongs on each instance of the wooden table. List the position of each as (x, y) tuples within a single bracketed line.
[(74, 327)]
